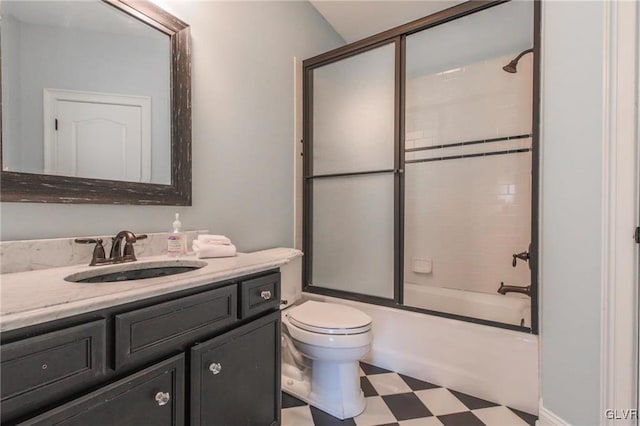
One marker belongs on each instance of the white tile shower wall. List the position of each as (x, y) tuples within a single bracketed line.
[(477, 101), (470, 149), (469, 215), (31, 255)]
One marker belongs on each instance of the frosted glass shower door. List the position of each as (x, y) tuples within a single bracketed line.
[(350, 180), (468, 165)]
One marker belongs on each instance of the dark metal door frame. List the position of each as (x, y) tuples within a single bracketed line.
[(309, 176), (397, 36)]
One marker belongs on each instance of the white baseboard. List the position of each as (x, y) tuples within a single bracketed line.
[(548, 418)]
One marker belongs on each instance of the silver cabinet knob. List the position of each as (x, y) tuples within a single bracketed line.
[(266, 295), (215, 367), (162, 398)]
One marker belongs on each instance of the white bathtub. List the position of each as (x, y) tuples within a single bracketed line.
[(509, 309), (491, 363)]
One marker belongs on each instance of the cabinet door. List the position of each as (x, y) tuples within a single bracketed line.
[(153, 396), (235, 378)]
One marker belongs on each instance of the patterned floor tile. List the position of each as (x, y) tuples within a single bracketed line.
[(440, 401), (472, 402), (466, 418), (367, 387), (320, 418), (424, 421), (406, 406), (369, 369), (289, 401), (530, 419), (398, 400), (388, 383), (499, 416), (377, 413), (297, 416), (416, 384)]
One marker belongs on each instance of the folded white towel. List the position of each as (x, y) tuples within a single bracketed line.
[(198, 243), (214, 239), (204, 251)]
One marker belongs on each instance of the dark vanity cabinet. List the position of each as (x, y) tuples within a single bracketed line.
[(204, 356), (233, 379)]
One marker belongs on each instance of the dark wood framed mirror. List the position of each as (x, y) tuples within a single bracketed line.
[(21, 186)]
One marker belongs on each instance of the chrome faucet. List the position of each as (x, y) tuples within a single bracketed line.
[(118, 253)]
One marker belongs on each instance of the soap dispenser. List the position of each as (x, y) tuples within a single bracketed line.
[(177, 240)]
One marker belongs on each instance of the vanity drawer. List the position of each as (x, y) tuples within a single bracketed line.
[(57, 363), (153, 396), (259, 294), (154, 331)]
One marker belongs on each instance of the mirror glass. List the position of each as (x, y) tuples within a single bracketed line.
[(86, 92)]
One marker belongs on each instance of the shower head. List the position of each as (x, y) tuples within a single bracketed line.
[(512, 67)]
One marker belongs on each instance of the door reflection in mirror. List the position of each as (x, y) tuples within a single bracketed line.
[(89, 49)]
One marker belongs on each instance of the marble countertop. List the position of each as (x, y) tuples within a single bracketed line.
[(33, 297)]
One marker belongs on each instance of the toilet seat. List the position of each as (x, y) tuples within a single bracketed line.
[(329, 318)]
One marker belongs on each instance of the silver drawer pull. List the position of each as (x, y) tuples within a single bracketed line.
[(215, 367), (266, 295), (162, 398)]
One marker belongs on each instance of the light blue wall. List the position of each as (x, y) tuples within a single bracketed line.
[(11, 82), (571, 208), (242, 131)]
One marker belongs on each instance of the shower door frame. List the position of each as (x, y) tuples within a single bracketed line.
[(307, 236), (397, 36)]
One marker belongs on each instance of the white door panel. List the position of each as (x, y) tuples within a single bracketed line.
[(97, 136), (99, 141)]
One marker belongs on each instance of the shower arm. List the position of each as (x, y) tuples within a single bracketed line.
[(524, 52)]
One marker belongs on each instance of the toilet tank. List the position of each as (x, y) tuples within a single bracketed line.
[(291, 281)]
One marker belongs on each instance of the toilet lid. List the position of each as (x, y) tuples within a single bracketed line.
[(329, 318)]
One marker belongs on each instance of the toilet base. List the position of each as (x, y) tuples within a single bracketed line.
[(335, 390)]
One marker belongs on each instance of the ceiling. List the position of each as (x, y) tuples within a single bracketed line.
[(357, 19)]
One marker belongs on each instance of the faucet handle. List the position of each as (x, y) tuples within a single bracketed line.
[(141, 237), (522, 256), (98, 255), (88, 240)]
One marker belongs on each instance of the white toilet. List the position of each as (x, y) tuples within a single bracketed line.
[(321, 346)]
